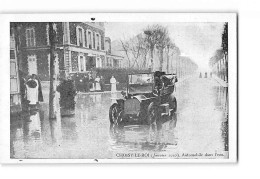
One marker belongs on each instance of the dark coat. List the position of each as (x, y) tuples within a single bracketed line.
[(40, 96)]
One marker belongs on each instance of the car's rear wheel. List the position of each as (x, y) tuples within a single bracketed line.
[(151, 113), (114, 114)]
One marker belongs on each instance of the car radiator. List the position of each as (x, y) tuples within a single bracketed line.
[(132, 106)]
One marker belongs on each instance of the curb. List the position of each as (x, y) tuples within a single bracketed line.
[(101, 92), (220, 81)]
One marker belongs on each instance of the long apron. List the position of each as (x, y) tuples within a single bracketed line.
[(32, 94)]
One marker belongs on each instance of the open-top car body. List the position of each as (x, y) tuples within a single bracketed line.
[(148, 96)]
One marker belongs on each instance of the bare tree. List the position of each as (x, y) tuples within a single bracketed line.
[(162, 40), (151, 41), (125, 47), (169, 46), (136, 51), (157, 36)]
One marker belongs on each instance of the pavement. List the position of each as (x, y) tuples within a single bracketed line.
[(220, 81)]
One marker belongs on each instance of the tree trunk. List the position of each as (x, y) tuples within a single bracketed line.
[(161, 58), (151, 51), (52, 38), (167, 68)]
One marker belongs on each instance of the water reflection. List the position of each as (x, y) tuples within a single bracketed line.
[(202, 117), (222, 104), (32, 126), (55, 127), (26, 133), (155, 137)]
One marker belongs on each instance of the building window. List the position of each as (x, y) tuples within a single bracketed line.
[(13, 77), (30, 37), (13, 69), (98, 42), (81, 63), (89, 40), (109, 62), (94, 42), (86, 38), (12, 54), (13, 85), (98, 62), (32, 65), (80, 37), (115, 63), (103, 62)]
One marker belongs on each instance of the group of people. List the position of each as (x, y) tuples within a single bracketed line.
[(92, 82), (206, 75), (88, 83), (31, 92)]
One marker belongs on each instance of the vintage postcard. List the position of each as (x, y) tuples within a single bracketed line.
[(119, 88)]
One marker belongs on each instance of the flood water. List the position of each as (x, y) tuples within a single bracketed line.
[(199, 126)]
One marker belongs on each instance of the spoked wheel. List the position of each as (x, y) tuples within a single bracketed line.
[(114, 114), (151, 114)]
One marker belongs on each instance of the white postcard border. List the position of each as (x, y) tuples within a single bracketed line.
[(5, 20)]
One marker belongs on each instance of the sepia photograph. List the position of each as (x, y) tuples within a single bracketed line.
[(161, 88)]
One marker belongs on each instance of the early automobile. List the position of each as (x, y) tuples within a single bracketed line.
[(148, 96)]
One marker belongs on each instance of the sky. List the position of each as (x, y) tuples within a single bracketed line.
[(198, 41)]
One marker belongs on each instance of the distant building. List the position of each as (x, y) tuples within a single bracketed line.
[(81, 47), (219, 64)]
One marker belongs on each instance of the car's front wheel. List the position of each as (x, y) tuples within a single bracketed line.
[(114, 114)]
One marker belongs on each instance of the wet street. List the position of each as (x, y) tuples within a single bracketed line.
[(199, 126)]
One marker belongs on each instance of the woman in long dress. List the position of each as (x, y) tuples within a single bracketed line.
[(98, 87), (33, 91), (113, 84)]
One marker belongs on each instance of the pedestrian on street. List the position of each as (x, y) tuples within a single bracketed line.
[(102, 83), (85, 83), (97, 82), (113, 84), (92, 83)]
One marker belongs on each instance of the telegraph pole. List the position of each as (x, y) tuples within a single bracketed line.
[(52, 38)]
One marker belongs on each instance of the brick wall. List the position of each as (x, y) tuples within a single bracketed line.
[(73, 32)]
